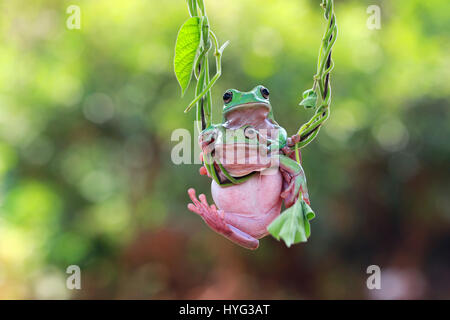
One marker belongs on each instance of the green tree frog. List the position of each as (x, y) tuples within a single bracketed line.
[(250, 160)]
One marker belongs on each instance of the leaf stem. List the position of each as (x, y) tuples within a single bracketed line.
[(218, 54)]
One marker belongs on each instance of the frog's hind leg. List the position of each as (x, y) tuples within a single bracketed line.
[(215, 219), (255, 225), (293, 223), (295, 181)]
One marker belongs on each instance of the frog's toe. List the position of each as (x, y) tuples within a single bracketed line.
[(202, 198), (203, 171), (289, 195), (287, 191), (191, 193), (215, 220), (198, 207), (194, 209)]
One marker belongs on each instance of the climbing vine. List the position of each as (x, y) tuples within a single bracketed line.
[(319, 97), (194, 42), (196, 39)]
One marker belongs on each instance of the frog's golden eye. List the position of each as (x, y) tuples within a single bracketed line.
[(265, 93), (227, 96)]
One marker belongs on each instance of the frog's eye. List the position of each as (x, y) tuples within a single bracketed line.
[(227, 96), (265, 93)]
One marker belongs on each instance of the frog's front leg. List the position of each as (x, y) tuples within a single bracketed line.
[(295, 181), (216, 220)]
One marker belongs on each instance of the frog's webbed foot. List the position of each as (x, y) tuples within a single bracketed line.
[(289, 194), (215, 219), (295, 181), (292, 225)]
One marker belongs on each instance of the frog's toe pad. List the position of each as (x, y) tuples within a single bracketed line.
[(213, 218)]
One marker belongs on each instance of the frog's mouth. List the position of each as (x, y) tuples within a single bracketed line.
[(248, 105)]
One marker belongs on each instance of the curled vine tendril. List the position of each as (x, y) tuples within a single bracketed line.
[(321, 86)]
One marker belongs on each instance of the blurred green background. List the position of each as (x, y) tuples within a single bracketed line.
[(86, 178)]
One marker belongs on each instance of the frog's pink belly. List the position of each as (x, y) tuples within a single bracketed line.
[(255, 197)]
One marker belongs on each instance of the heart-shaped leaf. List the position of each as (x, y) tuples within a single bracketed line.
[(292, 225), (188, 41)]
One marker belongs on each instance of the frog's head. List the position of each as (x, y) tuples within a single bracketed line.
[(256, 99)]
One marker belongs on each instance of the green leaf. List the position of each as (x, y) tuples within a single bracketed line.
[(308, 215), (309, 99), (188, 41), (292, 225)]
